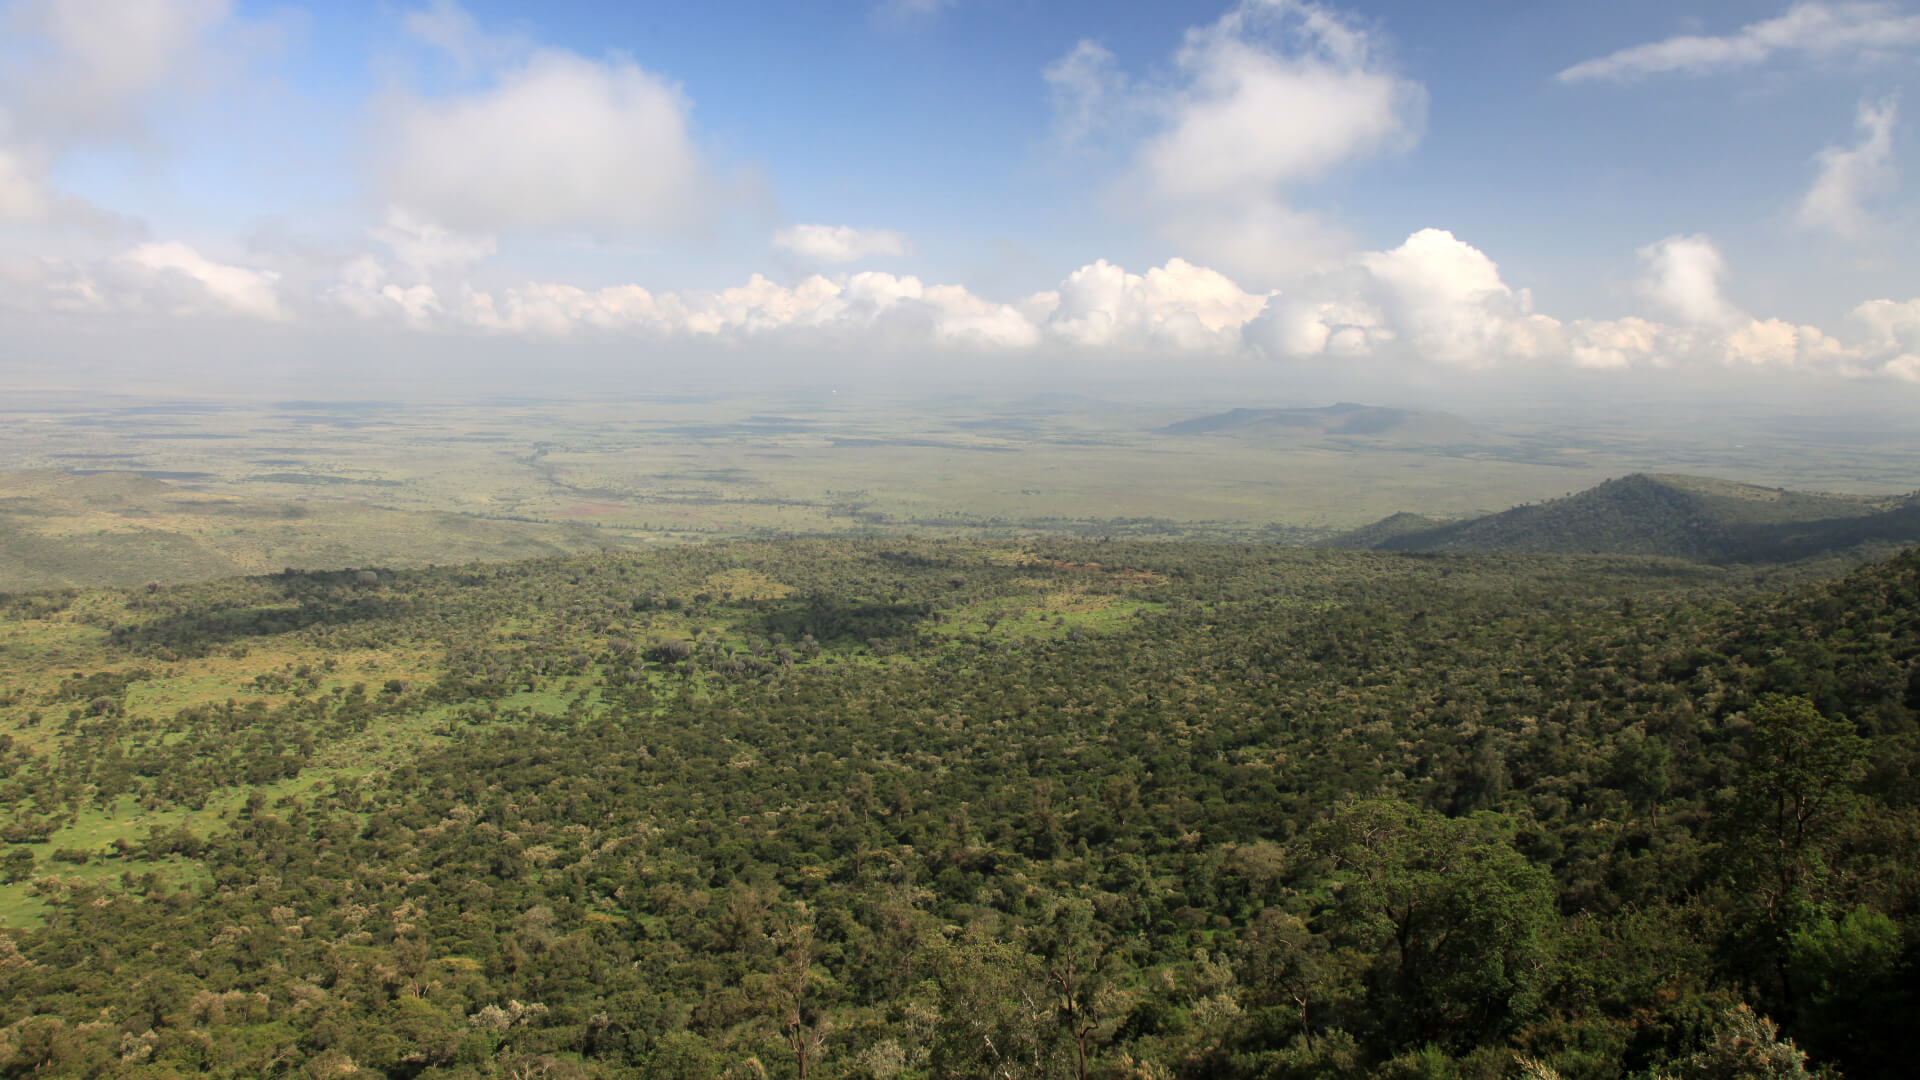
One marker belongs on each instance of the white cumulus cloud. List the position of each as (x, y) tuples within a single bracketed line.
[(172, 279), (1448, 301), (1893, 337), (1439, 301), (178, 279), (557, 141), (1276, 91), (1850, 175), (841, 243), (1435, 299), (1321, 322), (25, 194), (1814, 28), (1618, 343), (869, 306), (427, 248), (74, 71), (1273, 94), (1680, 277), (1179, 307), (97, 59), (1435, 302), (37, 285), (364, 290)]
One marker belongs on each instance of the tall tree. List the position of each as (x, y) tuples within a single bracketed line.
[(1452, 914)]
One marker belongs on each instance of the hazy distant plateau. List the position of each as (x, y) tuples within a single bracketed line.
[(381, 481)]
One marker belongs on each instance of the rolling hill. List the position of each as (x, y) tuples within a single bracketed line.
[(1687, 517), (1374, 537), (1345, 420)]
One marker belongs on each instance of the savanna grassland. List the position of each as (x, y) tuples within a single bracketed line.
[(370, 482), (121, 528)]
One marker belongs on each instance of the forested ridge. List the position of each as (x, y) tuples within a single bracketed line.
[(1687, 517), (918, 809)]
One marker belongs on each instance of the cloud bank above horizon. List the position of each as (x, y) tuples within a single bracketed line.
[(508, 188)]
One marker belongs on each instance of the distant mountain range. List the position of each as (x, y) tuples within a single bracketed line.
[(1345, 420), (1687, 517)]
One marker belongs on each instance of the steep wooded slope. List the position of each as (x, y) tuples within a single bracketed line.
[(1676, 516)]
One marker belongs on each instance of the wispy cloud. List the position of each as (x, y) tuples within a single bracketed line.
[(1849, 175), (902, 11), (449, 27), (841, 243), (1084, 85), (1814, 29)]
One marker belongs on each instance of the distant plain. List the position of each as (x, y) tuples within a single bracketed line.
[(248, 486)]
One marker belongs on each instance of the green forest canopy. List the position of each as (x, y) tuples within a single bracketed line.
[(915, 809)]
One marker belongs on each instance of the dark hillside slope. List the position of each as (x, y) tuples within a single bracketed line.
[(1851, 646), (1675, 516), (1375, 536)]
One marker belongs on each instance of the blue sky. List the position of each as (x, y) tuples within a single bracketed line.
[(1483, 186)]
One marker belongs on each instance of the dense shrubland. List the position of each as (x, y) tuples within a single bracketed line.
[(901, 809)]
